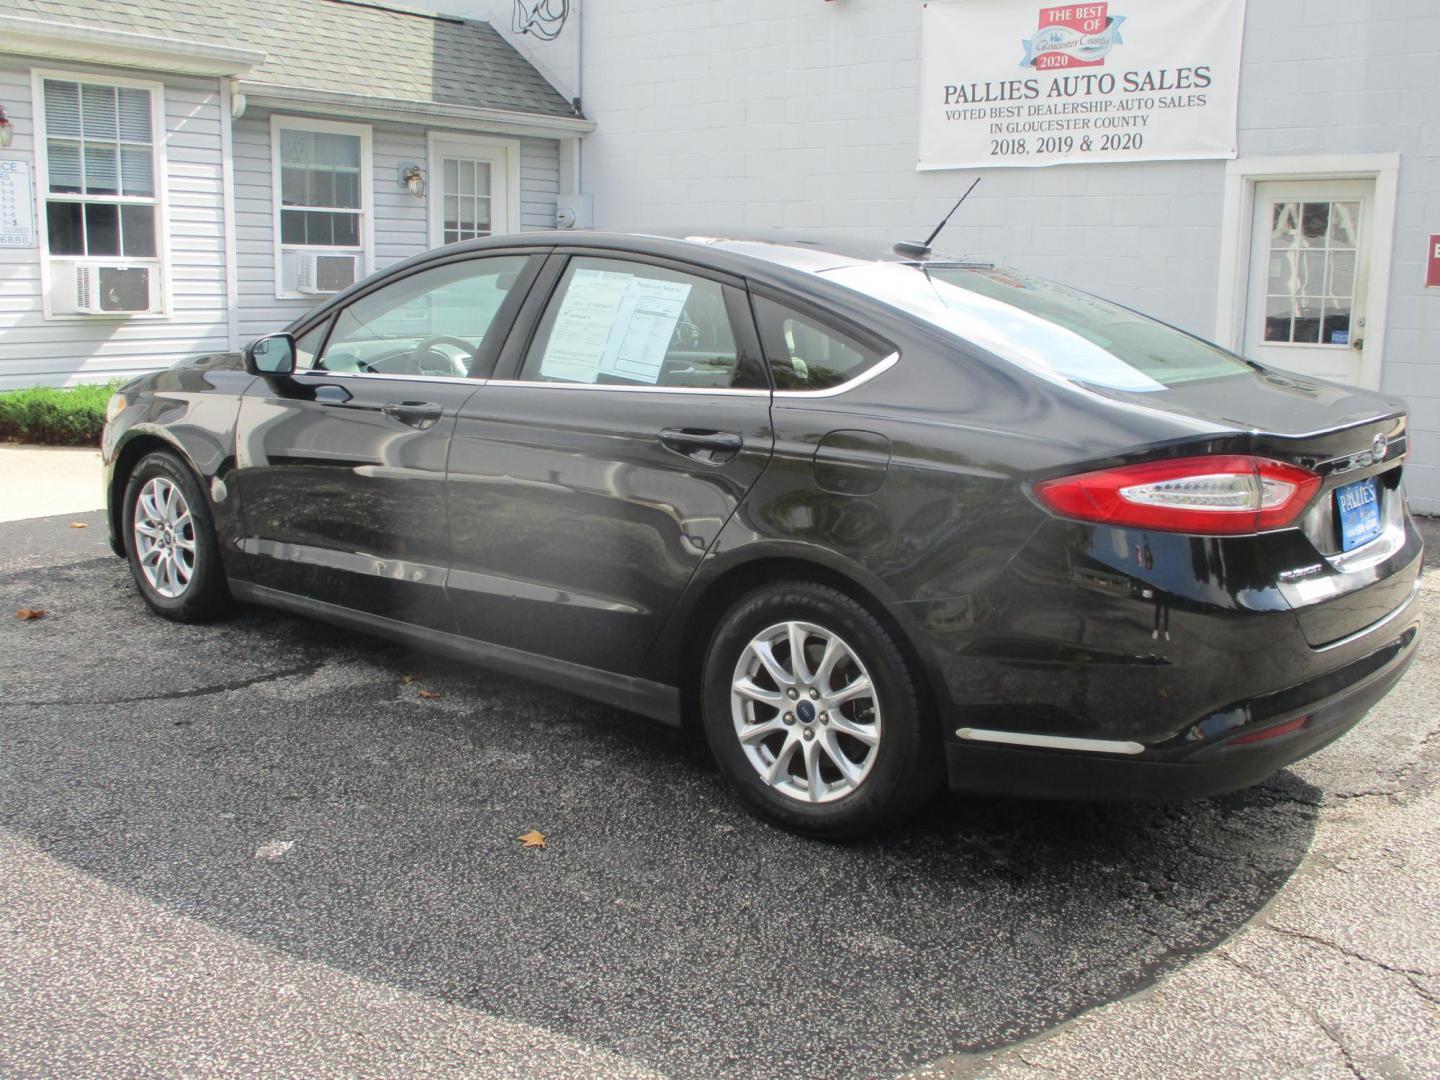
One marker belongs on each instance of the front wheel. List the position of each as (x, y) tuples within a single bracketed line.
[(813, 713), (170, 541)]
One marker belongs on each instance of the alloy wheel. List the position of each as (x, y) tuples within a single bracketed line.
[(806, 712), (164, 537)]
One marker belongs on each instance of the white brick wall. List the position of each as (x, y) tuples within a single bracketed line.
[(802, 114)]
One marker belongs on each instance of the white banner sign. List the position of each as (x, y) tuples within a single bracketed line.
[(1022, 82)]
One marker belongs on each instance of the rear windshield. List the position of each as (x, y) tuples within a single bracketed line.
[(1045, 326)]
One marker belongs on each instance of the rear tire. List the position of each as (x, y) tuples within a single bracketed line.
[(835, 747), (170, 541)]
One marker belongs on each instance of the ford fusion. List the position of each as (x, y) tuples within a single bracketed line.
[(875, 523)]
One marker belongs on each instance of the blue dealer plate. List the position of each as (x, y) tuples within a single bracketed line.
[(1359, 507)]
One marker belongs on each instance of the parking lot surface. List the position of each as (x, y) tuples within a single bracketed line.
[(270, 845)]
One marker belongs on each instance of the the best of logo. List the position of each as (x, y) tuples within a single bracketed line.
[(1077, 35)]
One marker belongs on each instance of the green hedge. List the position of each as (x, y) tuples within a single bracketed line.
[(68, 417)]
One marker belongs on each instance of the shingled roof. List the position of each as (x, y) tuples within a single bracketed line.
[(338, 46)]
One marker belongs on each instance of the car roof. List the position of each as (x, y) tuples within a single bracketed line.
[(807, 252)]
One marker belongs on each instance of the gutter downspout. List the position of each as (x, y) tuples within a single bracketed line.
[(227, 186), (579, 93)]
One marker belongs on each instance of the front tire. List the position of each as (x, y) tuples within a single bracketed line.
[(813, 713), (170, 541)]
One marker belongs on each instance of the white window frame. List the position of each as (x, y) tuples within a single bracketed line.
[(1238, 219), (503, 155), (161, 260), (366, 249)]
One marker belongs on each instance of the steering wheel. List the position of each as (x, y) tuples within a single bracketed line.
[(446, 365), (686, 336)]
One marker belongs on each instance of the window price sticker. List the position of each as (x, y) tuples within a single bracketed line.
[(17, 205)]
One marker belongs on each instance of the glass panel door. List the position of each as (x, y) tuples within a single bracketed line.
[(467, 194), (1308, 267), (469, 190)]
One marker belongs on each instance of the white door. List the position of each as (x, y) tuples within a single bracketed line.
[(469, 190), (1309, 266)]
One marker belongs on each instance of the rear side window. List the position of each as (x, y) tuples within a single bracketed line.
[(613, 322), (1044, 326), (808, 355)]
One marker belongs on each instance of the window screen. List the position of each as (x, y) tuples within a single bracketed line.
[(614, 322)]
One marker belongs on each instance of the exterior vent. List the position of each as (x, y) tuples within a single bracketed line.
[(90, 288), (323, 273)]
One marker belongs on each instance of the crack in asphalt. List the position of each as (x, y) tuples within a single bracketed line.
[(176, 695), (1329, 1032), (1300, 935)]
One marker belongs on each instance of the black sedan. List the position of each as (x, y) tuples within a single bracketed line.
[(873, 522)]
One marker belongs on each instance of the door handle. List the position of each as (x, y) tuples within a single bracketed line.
[(713, 447), (416, 414)]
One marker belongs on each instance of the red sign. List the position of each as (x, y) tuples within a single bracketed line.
[(1076, 35), (1432, 263), (1087, 18)]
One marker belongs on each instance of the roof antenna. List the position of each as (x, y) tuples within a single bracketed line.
[(909, 250)]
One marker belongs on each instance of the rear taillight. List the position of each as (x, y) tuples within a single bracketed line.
[(1216, 496)]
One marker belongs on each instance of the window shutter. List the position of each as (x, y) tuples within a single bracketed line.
[(102, 172), (137, 171), (97, 107), (64, 160), (62, 108), (134, 111)]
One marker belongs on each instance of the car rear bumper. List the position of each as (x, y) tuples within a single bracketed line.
[(1237, 757)]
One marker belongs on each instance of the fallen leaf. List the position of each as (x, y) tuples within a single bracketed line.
[(79, 525), (428, 694), (26, 614), (411, 677), (533, 838)]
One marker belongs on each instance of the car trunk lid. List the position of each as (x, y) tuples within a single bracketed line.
[(1355, 569)]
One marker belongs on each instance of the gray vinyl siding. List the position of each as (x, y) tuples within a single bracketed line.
[(400, 218), (34, 350), (539, 182)]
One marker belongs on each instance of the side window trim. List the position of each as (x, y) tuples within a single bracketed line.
[(545, 291)]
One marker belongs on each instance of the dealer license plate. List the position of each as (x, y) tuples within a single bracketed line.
[(1359, 506)]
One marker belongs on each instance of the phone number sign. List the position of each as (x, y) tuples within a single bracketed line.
[(1018, 83)]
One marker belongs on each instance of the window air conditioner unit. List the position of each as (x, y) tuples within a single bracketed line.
[(90, 288), (323, 273)]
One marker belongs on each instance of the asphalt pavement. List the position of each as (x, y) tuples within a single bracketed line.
[(269, 846)]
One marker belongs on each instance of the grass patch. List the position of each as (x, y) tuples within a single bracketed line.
[(73, 416)]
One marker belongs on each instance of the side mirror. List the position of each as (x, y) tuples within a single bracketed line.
[(272, 355)]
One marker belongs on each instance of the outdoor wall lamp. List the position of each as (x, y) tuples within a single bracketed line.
[(7, 129), (412, 179)]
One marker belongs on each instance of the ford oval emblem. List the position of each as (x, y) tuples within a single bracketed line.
[(1379, 446)]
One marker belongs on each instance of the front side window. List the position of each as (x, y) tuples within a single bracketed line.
[(807, 355), (430, 323), (321, 199), (100, 198), (307, 345), (618, 323)]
